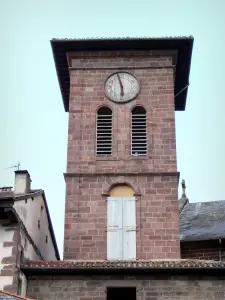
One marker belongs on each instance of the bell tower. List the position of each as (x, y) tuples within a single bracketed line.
[(122, 178)]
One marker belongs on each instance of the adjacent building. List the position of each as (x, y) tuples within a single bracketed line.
[(26, 231), (202, 230)]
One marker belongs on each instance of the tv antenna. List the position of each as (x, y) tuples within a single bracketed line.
[(17, 166)]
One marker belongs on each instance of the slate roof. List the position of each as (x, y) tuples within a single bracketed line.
[(202, 221), (60, 47)]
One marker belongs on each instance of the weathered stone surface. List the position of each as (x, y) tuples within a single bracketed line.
[(157, 287), (89, 177)]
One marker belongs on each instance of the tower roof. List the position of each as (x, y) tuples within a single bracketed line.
[(183, 45)]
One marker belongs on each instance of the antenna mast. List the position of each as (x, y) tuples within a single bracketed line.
[(17, 166)]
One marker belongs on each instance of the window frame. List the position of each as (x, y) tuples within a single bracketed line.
[(146, 132), (97, 133)]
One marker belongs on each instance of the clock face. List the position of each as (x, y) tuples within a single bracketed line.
[(121, 87)]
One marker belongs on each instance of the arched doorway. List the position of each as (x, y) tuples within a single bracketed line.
[(121, 223)]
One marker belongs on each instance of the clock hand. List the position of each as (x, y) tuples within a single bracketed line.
[(121, 86)]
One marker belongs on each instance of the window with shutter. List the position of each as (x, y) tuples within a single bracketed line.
[(121, 228), (129, 228), (114, 228), (139, 132), (104, 131)]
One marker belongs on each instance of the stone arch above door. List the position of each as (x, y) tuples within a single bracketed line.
[(120, 185), (121, 190)]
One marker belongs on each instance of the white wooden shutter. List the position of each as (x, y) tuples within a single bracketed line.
[(114, 228), (129, 228)]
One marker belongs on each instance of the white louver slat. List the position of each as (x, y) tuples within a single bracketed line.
[(139, 133), (104, 132)]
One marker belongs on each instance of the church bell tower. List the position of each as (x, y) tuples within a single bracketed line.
[(122, 177)]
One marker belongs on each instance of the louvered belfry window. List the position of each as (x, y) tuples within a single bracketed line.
[(104, 131), (139, 132)]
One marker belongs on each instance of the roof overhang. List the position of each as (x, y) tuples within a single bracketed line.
[(7, 212), (199, 238), (183, 45), (129, 267)]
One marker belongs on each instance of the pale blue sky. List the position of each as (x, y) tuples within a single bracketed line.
[(33, 124)]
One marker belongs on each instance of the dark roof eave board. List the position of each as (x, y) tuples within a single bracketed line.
[(51, 227), (61, 47), (128, 271), (128, 266), (202, 239)]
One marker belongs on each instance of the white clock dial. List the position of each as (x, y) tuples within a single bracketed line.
[(121, 87)]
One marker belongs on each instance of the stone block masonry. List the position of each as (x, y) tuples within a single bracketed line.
[(204, 250), (156, 215), (153, 177), (148, 287), (9, 256), (156, 95)]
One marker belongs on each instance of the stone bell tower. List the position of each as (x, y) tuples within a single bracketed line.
[(122, 178)]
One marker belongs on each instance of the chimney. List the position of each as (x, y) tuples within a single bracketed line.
[(22, 182)]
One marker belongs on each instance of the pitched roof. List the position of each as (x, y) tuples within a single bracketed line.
[(202, 221), (6, 194), (182, 202), (31, 193), (14, 295), (61, 47), (9, 195)]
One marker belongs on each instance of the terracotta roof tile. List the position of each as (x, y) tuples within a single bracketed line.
[(16, 296), (6, 194), (9, 194), (138, 264)]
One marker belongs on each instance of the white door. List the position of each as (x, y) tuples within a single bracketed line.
[(121, 228), (114, 228), (129, 228)]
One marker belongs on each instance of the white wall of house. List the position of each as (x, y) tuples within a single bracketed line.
[(24, 284), (5, 236), (28, 248), (34, 217)]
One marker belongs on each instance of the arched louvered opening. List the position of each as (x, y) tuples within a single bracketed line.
[(104, 131), (139, 132)]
